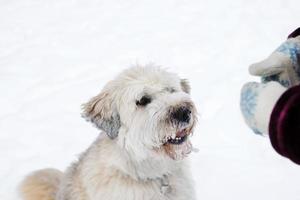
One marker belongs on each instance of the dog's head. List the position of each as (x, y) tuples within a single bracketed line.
[(147, 110)]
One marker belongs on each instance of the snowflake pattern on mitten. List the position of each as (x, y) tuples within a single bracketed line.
[(291, 49), (248, 104), (280, 78)]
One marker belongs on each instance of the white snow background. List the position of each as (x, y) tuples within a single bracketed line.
[(55, 55)]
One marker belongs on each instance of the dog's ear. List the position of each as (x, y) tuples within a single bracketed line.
[(101, 111), (185, 86)]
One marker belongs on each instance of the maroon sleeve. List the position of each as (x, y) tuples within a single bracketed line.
[(284, 126), (295, 33)]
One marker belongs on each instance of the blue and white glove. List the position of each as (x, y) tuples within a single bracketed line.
[(278, 72), (257, 102), (283, 65)]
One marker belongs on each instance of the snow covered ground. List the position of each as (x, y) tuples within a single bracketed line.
[(55, 55)]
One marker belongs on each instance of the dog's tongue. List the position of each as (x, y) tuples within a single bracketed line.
[(181, 151), (181, 133)]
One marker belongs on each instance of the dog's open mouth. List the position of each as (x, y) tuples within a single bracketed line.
[(178, 145), (178, 138)]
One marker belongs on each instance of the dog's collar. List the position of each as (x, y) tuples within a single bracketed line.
[(165, 187)]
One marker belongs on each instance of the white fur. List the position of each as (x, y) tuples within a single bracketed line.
[(129, 160)]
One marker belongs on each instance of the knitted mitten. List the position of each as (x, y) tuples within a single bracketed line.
[(283, 65), (257, 102)]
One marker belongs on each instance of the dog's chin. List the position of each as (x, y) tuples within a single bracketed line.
[(178, 146)]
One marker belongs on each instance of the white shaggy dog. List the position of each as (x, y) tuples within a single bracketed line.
[(147, 115)]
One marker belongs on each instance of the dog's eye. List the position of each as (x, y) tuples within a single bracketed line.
[(143, 101)]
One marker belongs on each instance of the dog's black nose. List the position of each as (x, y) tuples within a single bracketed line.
[(182, 114)]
